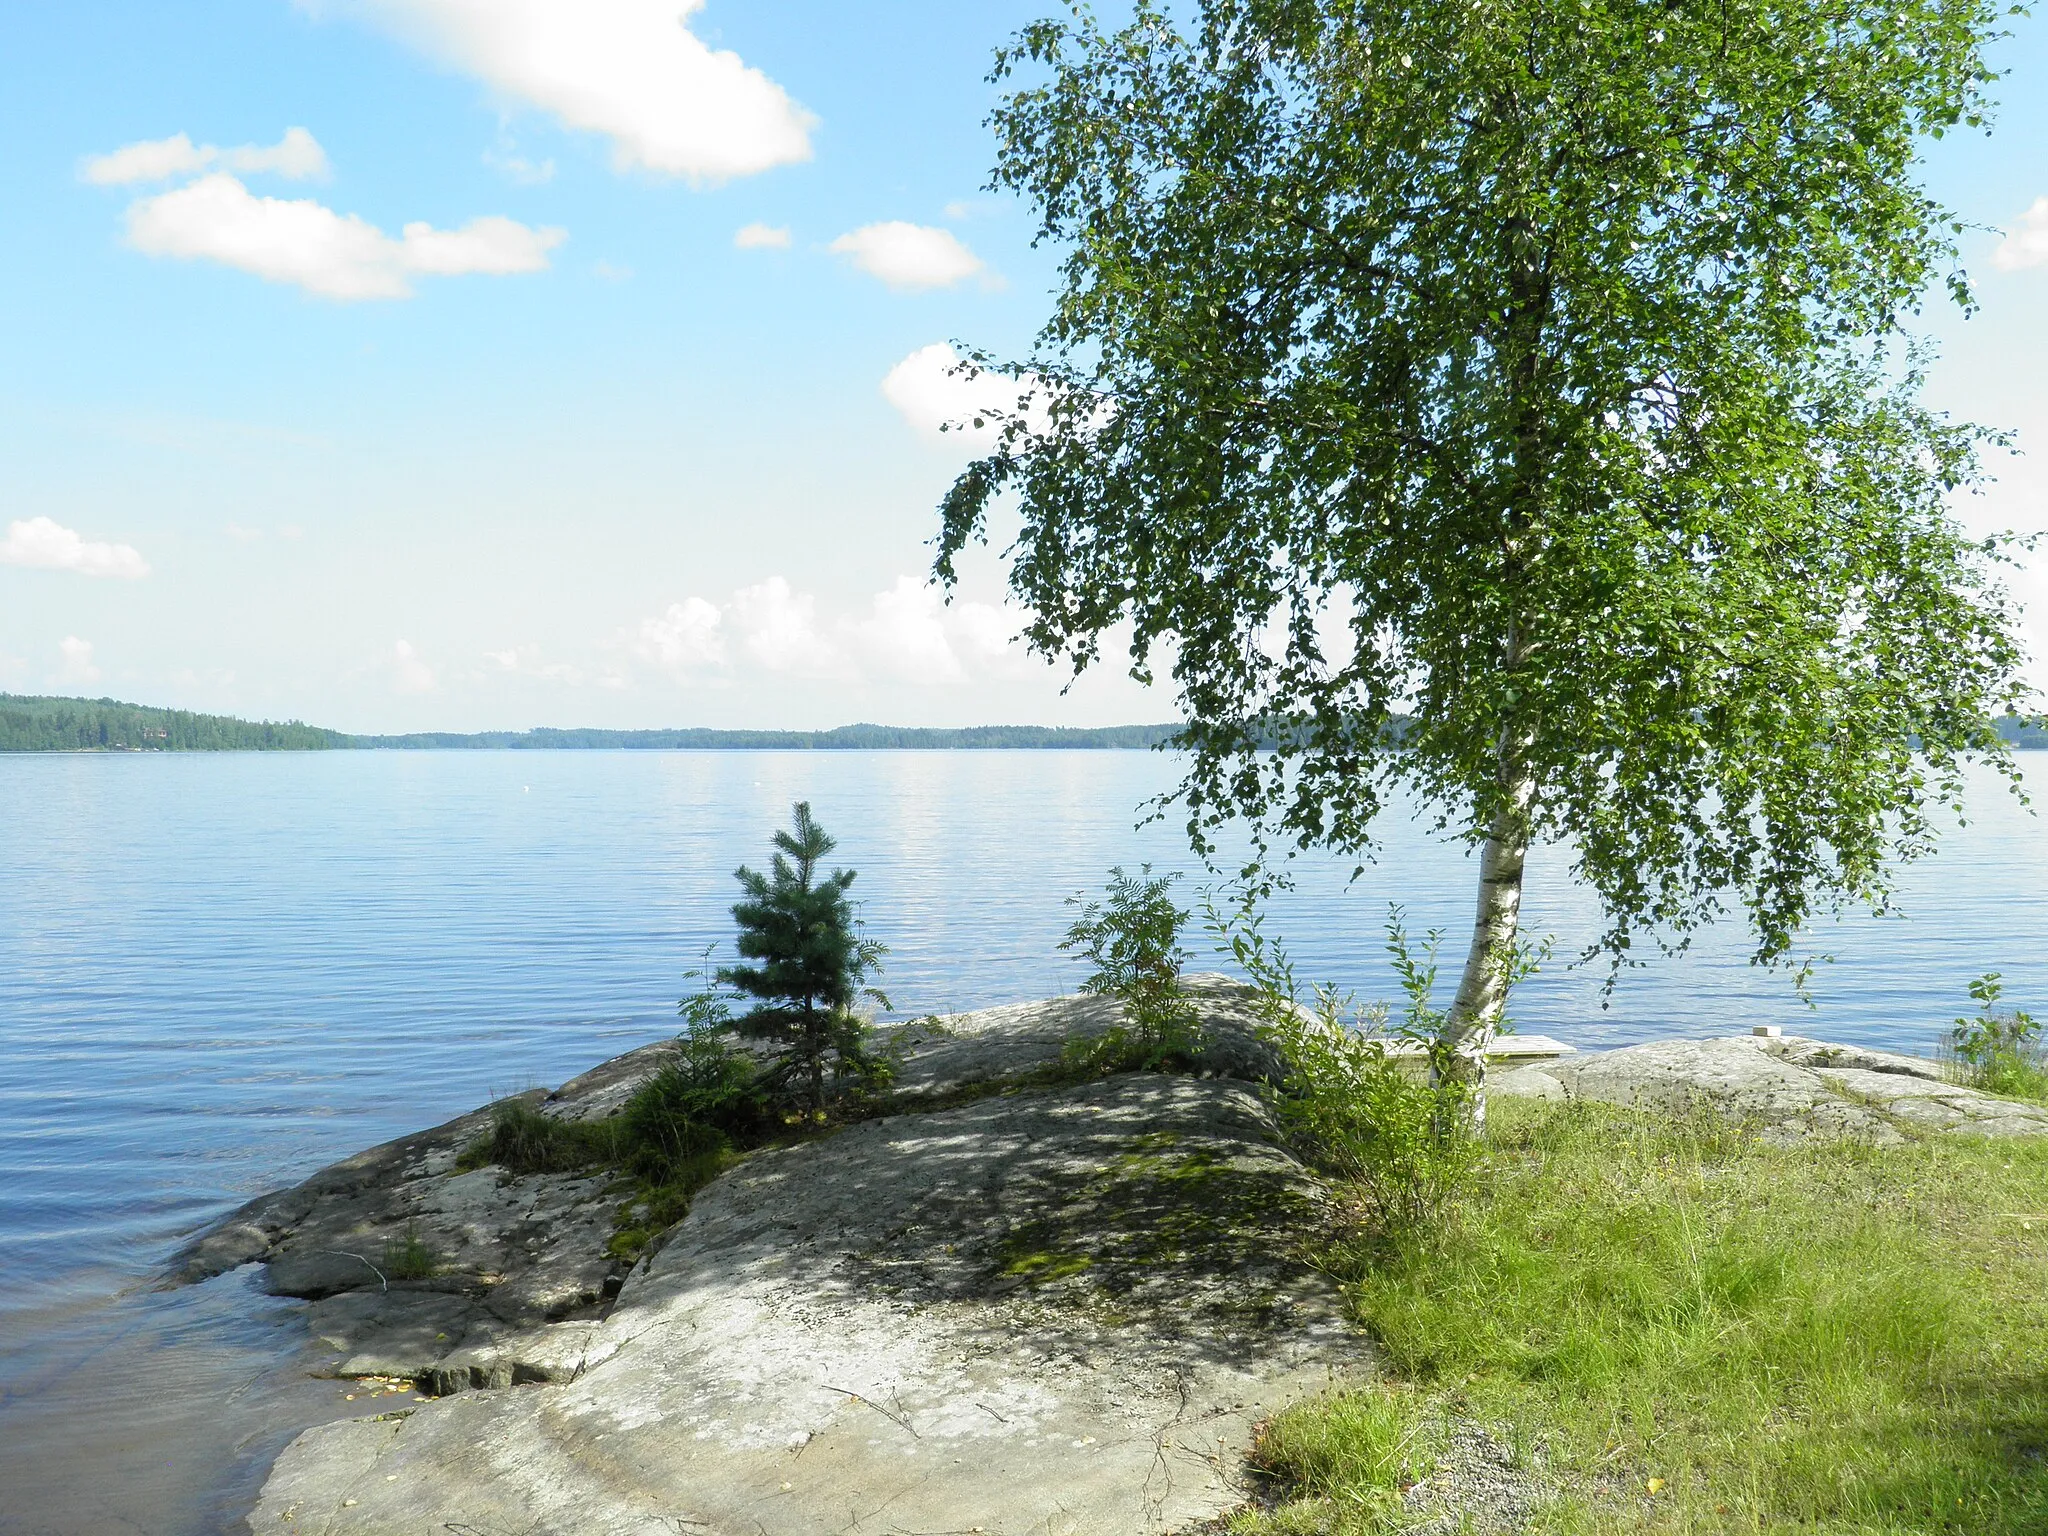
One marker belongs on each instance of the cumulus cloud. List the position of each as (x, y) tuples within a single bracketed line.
[(297, 157), (75, 661), (44, 544), (761, 237), (688, 638), (905, 637), (778, 630), (409, 670), (908, 257), (631, 70), (986, 639), (908, 634), (334, 255), (938, 393), (2027, 245)]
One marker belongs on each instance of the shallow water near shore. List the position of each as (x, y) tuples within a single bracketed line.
[(219, 973)]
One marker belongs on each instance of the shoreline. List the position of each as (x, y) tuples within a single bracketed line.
[(611, 1345)]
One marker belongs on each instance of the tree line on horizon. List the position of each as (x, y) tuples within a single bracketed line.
[(30, 723), (38, 724)]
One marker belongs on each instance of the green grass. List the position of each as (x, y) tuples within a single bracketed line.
[(1828, 1339), (409, 1258), (661, 1147)]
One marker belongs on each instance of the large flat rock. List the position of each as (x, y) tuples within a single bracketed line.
[(1041, 1314), (1792, 1089)]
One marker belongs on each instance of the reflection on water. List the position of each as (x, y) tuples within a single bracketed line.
[(219, 973)]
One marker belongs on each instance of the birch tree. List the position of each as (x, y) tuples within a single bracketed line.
[(1514, 398)]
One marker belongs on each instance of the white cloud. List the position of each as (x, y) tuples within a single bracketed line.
[(906, 636), (939, 395), (629, 69), (492, 245), (43, 544), (688, 638), (987, 638), (761, 237), (297, 157), (517, 168), (2026, 246), (409, 672), (908, 256), (77, 664), (610, 271), (778, 630), (338, 256), (909, 634), (945, 398)]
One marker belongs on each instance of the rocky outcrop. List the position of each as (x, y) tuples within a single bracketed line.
[(1016, 1305), (1040, 1312), (416, 1268), (1792, 1089)]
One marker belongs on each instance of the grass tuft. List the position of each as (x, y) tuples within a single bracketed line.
[(409, 1258), (677, 1133)]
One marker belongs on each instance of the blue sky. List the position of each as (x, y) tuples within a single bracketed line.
[(462, 407)]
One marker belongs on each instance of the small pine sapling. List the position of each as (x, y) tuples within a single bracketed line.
[(813, 966)]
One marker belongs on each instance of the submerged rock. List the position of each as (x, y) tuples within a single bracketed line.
[(1792, 1089), (1051, 1309)]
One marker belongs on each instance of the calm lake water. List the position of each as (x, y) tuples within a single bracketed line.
[(218, 973)]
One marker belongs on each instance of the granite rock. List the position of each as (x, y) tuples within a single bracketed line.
[(1056, 1311), (1792, 1089)]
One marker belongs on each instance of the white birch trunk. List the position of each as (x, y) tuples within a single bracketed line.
[(1469, 1027)]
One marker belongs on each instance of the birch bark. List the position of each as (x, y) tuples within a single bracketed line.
[(1475, 1013)]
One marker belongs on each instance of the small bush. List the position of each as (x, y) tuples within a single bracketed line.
[(1133, 941), (1999, 1051), (704, 1099), (677, 1133), (1388, 1122)]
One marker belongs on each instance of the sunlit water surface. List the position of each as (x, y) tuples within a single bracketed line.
[(218, 973)]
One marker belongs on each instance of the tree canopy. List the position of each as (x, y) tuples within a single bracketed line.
[(1537, 368)]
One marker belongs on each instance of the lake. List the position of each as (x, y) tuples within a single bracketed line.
[(218, 973)]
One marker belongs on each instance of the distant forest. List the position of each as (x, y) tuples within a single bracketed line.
[(106, 725), (30, 724), (845, 738)]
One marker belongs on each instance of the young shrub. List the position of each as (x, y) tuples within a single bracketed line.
[(1357, 1107), (1999, 1050), (1133, 941), (700, 1102), (812, 971)]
